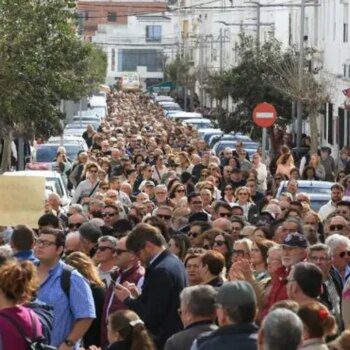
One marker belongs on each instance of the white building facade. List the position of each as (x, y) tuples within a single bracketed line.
[(142, 45)]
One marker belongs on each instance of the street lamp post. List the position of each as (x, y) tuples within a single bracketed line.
[(300, 73)]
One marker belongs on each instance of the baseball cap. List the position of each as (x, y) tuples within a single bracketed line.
[(236, 293), (295, 239)]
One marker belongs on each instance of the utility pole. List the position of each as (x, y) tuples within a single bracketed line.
[(221, 50), (201, 51), (300, 73), (258, 25)]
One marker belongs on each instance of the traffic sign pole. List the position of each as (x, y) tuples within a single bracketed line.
[(264, 136), (264, 115)]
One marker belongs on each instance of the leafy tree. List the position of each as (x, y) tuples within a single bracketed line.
[(251, 82), (312, 93), (181, 72), (42, 61)]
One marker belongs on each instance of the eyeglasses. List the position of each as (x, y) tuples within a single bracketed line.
[(193, 234), (336, 227), (164, 217), (102, 249), (225, 215), (105, 188), (318, 258), (278, 178), (228, 189), (342, 254), (93, 171), (219, 243), (43, 243), (239, 252), (197, 202), (109, 214), (120, 251), (179, 191), (76, 225)]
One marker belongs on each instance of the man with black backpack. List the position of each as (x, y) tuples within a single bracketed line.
[(65, 290)]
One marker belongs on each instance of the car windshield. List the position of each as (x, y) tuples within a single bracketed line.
[(47, 154), (311, 189)]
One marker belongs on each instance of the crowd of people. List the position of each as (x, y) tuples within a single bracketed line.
[(167, 246)]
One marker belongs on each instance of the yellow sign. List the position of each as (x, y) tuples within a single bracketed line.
[(22, 200)]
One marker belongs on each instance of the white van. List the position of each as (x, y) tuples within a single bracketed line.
[(99, 106), (184, 115), (51, 177)]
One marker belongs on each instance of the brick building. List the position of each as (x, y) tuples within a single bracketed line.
[(93, 13)]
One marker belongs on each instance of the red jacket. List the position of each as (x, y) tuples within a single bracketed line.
[(132, 275), (278, 291)]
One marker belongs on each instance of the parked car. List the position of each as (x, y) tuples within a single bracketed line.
[(199, 123), (99, 105), (161, 98), (68, 139), (228, 137), (318, 191), (221, 145), (51, 177), (170, 106), (207, 132), (45, 154), (180, 116)]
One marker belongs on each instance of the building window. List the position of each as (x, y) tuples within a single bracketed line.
[(111, 16), (330, 123), (129, 60), (153, 34), (345, 23), (113, 60)]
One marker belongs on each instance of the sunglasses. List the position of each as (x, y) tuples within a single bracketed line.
[(164, 217), (225, 215), (105, 188), (219, 243), (120, 251), (206, 247), (342, 254), (102, 249), (193, 234), (77, 225), (109, 214), (179, 191), (336, 227), (93, 171)]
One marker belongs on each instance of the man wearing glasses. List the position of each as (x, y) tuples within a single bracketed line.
[(130, 273), (73, 315), (320, 255)]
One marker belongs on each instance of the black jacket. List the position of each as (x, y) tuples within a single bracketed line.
[(232, 337), (183, 340), (159, 301)]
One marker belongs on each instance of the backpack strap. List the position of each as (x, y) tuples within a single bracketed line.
[(65, 280)]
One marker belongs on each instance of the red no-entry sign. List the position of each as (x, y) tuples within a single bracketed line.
[(264, 115)]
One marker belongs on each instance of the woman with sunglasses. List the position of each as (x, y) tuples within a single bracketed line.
[(223, 243), (228, 195), (177, 193), (244, 200), (87, 268)]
